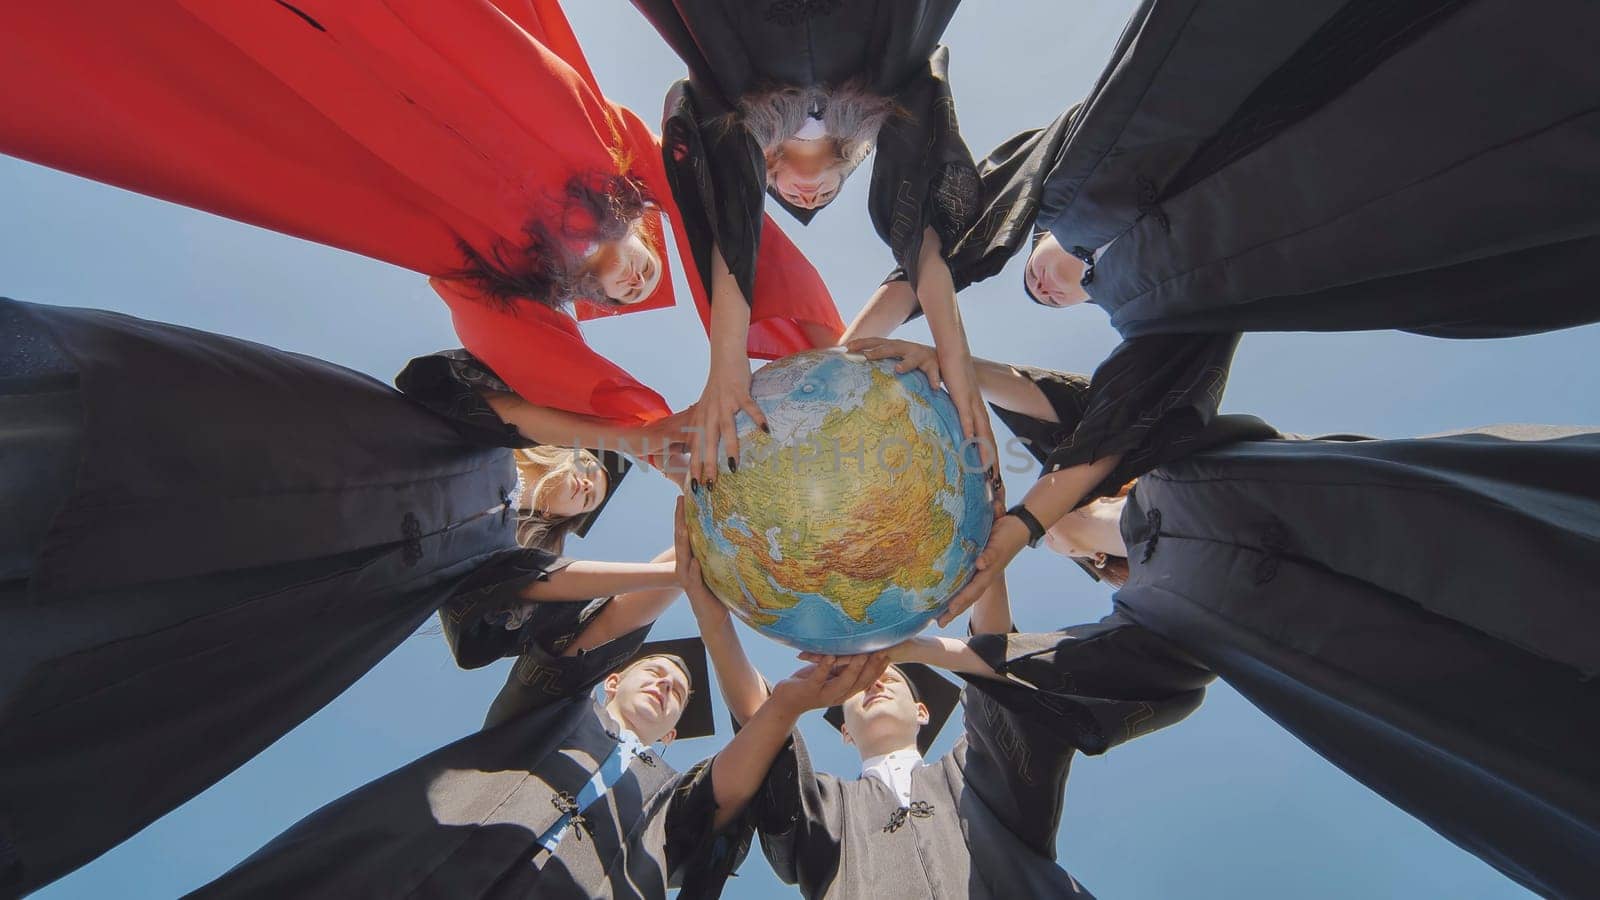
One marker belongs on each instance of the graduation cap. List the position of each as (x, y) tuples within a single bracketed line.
[(929, 688), (689, 654), (616, 466)]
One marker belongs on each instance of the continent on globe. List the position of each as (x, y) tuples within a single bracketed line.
[(849, 526)]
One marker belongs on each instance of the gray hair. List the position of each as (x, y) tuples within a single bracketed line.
[(851, 115)]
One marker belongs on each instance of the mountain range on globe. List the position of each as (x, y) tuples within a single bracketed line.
[(850, 525)]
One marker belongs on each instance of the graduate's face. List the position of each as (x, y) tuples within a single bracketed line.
[(629, 269), (649, 697), (574, 491), (808, 174), (1054, 276), (884, 717)]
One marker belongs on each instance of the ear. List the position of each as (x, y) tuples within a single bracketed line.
[(922, 714), (844, 733), (669, 737), (611, 682)]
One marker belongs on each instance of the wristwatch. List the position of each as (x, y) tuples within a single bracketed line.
[(1035, 529)]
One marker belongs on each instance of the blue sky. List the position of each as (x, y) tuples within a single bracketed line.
[(1222, 805)]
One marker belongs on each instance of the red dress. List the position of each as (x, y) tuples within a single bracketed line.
[(393, 129)]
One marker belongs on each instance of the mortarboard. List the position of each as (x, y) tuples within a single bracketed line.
[(690, 655)]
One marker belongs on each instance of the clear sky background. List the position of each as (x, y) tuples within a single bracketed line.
[(1222, 805)]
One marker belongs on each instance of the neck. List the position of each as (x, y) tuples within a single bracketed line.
[(1102, 527), (886, 747)]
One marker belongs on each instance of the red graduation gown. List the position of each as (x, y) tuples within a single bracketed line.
[(392, 129)]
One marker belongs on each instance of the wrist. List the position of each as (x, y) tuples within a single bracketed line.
[(1022, 515), (782, 708), (912, 649)]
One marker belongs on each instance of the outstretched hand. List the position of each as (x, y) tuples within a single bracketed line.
[(727, 392), (1006, 540), (912, 356), (829, 681), (708, 610), (666, 442)]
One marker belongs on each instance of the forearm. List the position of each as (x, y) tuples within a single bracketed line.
[(887, 309), (556, 427), (730, 317), (743, 689), (629, 610), (992, 613), (1008, 388), (588, 579), (944, 653), (741, 767), (936, 293), (1059, 492)]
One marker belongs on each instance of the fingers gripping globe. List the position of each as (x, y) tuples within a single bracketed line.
[(849, 527)]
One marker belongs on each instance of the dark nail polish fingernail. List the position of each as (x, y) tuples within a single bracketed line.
[(694, 484), (765, 429), (710, 485), (733, 464)]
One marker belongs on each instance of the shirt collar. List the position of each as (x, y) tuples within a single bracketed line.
[(905, 757)]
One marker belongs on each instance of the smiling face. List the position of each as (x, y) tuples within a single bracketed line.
[(571, 489), (649, 697), (1054, 277), (628, 270), (808, 173), (884, 717)]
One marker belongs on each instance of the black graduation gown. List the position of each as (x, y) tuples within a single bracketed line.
[(228, 512), (984, 816), (1153, 399), (923, 174), (462, 821), (1420, 612), (1340, 165), (1152, 391)]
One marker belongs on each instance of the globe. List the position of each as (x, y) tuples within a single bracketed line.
[(848, 527)]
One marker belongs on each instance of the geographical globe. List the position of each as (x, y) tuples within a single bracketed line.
[(848, 527)]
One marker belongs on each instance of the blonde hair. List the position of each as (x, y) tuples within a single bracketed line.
[(541, 467)]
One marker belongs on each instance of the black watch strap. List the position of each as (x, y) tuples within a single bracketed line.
[(1035, 529)]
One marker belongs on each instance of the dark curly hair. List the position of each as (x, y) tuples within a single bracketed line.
[(542, 269)]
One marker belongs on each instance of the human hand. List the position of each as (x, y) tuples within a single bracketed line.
[(727, 392), (1006, 540), (666, 441), (828, 682), (708, 610), (912, 356)]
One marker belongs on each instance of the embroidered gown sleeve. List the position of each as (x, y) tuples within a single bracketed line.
[(699, 855), (488, 618), (799, 817), (1149, 401), (923, 174), (542, 676), (1011, 181), (1086, 688)]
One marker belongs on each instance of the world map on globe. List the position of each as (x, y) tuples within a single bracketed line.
[(848, 527)]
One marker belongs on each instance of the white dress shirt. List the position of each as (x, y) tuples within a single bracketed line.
[(894, 770)]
